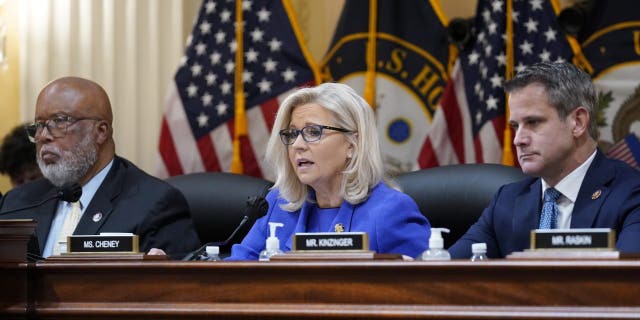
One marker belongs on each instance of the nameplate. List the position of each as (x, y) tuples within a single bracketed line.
[(330, 241), (600, 238), (103, 244)]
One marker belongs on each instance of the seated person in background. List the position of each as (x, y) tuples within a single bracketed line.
[(74, 143), (552, 114), (329, 177), (18, 157)]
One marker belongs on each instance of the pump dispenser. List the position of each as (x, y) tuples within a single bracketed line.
[(436, 249), (272, 245)]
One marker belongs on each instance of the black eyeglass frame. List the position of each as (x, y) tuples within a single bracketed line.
[(297, 132), (59, 123)]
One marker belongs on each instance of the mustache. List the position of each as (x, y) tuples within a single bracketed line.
[(49, 149)]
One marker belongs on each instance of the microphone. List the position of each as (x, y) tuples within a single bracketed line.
[(256, 208), (69, 192)]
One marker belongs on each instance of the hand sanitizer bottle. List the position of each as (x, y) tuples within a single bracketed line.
[(479, 251), (436, 249), (272, 246)]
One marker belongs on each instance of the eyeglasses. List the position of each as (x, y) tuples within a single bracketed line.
[(56, 126), (309, 133)]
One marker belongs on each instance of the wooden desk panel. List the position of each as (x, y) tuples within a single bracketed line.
[(337, 290)]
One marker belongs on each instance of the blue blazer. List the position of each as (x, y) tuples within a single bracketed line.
[(391, 219), (505, 225)]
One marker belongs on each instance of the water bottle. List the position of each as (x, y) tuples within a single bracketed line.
[(211, 254), (479, 252)]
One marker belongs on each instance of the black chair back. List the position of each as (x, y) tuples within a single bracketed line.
[(454, 196), (218, 201)]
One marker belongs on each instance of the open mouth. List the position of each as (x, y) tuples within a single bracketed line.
[(303, 163)]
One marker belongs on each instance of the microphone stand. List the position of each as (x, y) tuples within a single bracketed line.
[(256, 207)]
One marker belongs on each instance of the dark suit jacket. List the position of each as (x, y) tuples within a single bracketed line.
[(506, 223), (129, 200)]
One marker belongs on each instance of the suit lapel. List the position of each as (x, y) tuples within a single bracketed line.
[(301, 224), (593, 192), (101, 206), (343, 217), (527, 215)]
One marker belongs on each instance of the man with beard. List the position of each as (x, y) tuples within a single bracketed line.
[(573, 184), (74, 143)]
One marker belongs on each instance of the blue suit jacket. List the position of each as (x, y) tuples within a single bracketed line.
[(129, 200), (505, 225), (391, 219)]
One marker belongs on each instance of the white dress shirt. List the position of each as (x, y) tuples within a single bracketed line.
[(569, 187), (88, 191)]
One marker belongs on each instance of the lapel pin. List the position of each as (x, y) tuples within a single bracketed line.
[(339, 227), (97, 217), (596, 194)]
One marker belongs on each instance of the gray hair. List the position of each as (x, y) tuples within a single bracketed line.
[(567, 87), (350, 111)]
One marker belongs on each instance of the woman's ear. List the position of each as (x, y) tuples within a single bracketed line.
[(352, 147)]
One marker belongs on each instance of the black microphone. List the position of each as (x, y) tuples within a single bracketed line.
[(69, 192), (257, 207)]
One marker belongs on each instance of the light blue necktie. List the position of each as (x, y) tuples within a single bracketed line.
[(549, 214)]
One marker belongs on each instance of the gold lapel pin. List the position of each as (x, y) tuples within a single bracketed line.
[(596, 194), (339, 227)]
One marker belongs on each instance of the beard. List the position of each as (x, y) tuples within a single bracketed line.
[(72, 165)]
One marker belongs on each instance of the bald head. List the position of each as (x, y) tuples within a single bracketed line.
[(78, 97)]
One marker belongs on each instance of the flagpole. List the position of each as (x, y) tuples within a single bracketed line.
[(507, 150), (240, 116), (370, 76)]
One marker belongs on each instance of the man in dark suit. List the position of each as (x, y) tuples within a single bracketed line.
[(572, 184), (74, 143)]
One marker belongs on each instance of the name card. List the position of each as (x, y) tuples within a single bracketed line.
[(599, 238), (110, 243), (331, 241)]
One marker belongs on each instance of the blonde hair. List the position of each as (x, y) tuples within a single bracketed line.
[(350, 111)]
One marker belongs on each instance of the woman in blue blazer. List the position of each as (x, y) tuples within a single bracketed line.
[(330, 178)]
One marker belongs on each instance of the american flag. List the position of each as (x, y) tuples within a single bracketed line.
[(198, 126), (627, 150), (469, 126)]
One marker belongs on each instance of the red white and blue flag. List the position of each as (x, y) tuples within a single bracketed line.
[(470, 125), (204, 106)]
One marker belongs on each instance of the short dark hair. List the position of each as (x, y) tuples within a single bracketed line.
[(567, 88), (17, 153)]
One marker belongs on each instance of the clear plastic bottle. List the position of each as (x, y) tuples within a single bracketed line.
[(479, 252), (212, 253), (272, 246), (436, 249)]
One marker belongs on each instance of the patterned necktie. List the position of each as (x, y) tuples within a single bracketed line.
[(549, 214), (68, 226)]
